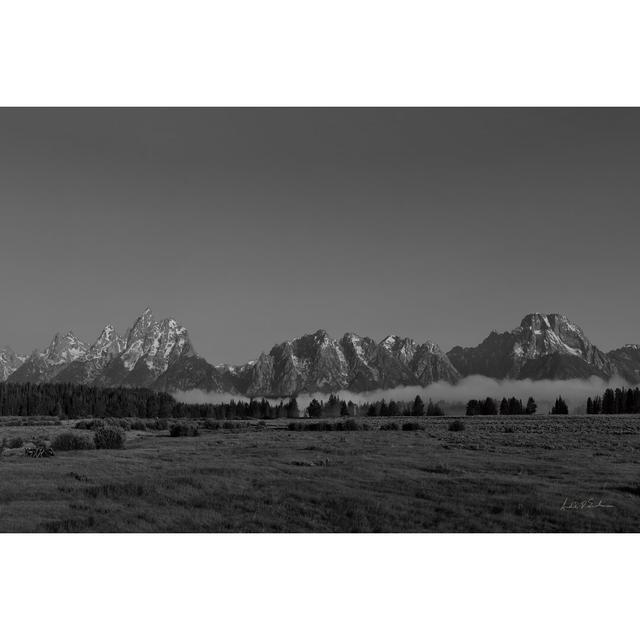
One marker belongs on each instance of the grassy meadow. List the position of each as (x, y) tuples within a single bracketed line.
[(498, 474)]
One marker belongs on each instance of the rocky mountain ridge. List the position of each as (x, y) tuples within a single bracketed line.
[(160, 355)]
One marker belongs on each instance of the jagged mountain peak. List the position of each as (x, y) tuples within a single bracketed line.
[(109, 342), (65, 348), (549, 322), (544, 345), (10, 361), (159, 352), (393, 341)]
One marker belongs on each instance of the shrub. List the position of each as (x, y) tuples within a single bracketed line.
[(71, 442), (413, 426), (211, 424), (15, 443), (109, 438), (90, 424), (456, 425), (347, 425), (390, 426), (184, 430)]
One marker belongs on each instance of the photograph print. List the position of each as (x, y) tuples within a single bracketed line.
[(320, 320)]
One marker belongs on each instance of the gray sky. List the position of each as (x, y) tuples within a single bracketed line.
[(254, 226)]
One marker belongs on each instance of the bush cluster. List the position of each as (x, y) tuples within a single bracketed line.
[(109, 437), (413, 426), (29, 421), (184, 430), (91, 425), (456, 425), (346, 425), (70, 441)]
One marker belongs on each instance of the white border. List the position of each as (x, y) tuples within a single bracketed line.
[(329, 53), (335, 52), (320, 586)]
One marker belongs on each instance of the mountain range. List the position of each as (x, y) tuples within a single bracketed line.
[(160, 355)]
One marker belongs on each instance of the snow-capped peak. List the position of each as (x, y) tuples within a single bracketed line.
[(10, 361), (63, 349), (108, 345), (157, 344)]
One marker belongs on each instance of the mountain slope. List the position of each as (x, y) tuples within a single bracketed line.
[(318, 363), (43, 366), (150, 348), (626, 361), (543, 346), (159, 355), (10, 361), (88, 367)]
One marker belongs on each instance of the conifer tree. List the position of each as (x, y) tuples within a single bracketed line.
[(418, 407), (560, 407), (532, 407)]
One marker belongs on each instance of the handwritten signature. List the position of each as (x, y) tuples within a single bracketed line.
[(588, 503)]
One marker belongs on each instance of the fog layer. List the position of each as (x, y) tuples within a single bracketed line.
[(453, 396)]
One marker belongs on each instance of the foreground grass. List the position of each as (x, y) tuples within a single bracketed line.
[(499, 474)]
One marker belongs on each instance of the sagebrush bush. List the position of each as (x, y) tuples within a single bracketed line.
[(70, 441), (109, 438), (390, 426), (347, 425), (456, 425), (15, 443), (184, 430), (92, 425), (413, 426)]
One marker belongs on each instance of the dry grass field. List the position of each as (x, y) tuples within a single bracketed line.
[(500, 474)]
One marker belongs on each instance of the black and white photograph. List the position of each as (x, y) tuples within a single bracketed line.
[(319, 320)]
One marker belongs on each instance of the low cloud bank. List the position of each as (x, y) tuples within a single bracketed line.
[(453, 396)]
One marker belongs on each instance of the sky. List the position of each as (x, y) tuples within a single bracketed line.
[(254, 226)]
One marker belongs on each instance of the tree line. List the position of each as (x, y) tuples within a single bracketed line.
[(507, 407), (76, 401), (68, 400), (619, 400)]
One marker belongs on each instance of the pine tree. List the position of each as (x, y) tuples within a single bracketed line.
[(597, 405), (504, 407), (314, 410), (489, 407), (434, 409), (560, 407), (292, 408), (332, 407), (472, 408), (532, 407), (418, 407), (608, 401)]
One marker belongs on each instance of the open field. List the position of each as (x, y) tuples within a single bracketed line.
[(499, 474)]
